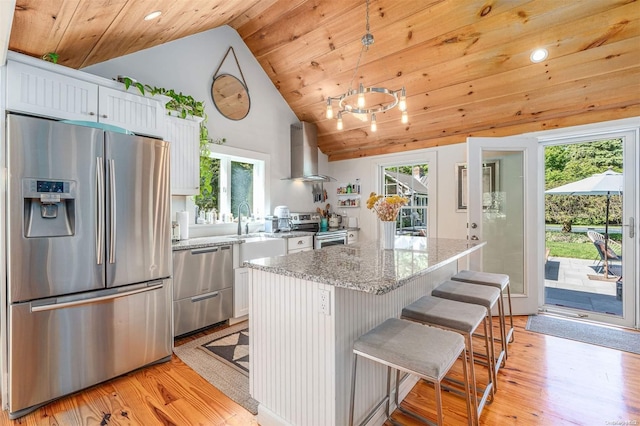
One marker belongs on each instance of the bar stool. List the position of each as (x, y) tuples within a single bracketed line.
[(479, 295), (499, 281), (463, 318), (427, 352)]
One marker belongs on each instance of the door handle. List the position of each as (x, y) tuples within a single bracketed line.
[(112, 211), (474, 238), (474, 225), (63, 305), (631, 226), (100, 208)]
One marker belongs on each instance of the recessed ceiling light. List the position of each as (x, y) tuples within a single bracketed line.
[(539, 55), (152, 15)]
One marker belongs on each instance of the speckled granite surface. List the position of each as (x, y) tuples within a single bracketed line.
[(366, 266), (193, 243)]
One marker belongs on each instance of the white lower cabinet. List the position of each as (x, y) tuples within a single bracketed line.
[(352, 236), (298, 244), (184, 136), (240, 292)]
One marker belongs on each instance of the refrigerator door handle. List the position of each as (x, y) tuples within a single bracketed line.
[(64, 305), (100, 212), (112, 213)]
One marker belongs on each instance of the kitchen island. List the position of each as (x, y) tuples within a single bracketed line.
[(307, 309)]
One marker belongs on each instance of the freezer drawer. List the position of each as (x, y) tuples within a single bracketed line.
[(203, 310), (201, 271), (59, 346)]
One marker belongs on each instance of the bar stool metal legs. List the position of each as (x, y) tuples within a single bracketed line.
[(480, 295), (406, 346), (463, 318), (499, 281)]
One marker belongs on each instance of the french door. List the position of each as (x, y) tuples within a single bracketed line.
[(506, 209), (503, 187), (629, 283)]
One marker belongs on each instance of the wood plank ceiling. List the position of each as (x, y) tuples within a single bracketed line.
[(465, 64)]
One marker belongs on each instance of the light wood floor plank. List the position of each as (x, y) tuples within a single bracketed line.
[(546, 381)]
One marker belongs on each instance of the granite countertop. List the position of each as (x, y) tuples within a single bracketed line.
[(201, 242), (366, 266)]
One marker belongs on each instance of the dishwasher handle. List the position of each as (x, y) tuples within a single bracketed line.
[(74, 303)]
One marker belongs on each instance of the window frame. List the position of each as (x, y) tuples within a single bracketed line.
[(261, 185), (402, 160)]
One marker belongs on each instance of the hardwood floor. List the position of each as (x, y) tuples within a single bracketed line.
[(546, 381)]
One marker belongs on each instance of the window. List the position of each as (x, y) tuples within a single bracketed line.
[(229, 178), (410, 181)]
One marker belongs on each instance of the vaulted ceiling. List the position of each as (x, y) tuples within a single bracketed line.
[(465, 63)]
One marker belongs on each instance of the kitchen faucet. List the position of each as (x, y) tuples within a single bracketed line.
[(244, 203)]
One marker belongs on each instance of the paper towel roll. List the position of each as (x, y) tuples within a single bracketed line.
[(183, 220)]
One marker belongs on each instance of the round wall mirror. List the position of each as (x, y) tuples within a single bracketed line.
[(230, 96)]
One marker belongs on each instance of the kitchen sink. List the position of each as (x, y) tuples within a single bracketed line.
[(255, 247)]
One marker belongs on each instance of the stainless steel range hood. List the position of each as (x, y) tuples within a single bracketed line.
[(304, 153)]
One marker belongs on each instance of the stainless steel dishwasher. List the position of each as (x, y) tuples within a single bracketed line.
[(202, 288)]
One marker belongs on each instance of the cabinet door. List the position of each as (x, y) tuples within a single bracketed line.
[(40, 92), (297, 244), (184, 136), (144, 116), (240, 292)]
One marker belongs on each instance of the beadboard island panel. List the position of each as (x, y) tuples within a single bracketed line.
[(307, 309)]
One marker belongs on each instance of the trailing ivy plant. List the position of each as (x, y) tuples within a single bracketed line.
[(185, 106), (51, 57)]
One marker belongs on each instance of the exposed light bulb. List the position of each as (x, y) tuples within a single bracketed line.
[(361, 96), (329, 109), (339, 125), (374, 123), (402, 104), (405, 117)]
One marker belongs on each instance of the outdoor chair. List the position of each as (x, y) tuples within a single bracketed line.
[(610, 256), (612, 246)]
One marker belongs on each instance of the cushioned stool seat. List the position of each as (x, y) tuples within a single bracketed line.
[(406, 346), (463, 318), (501, 282), (479, 295)]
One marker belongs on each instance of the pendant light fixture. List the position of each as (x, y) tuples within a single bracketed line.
[(366, 102)]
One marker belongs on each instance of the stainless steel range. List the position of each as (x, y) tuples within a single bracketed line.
[(310, 222)]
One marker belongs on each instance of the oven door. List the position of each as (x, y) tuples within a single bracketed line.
[(321, 241)]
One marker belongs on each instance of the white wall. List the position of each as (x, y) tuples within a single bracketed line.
[(442, 189), (188, 65)]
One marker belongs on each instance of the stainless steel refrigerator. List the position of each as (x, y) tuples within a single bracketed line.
[(88, 258)]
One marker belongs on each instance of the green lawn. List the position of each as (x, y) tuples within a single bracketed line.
[(573, 250), (570, 244)]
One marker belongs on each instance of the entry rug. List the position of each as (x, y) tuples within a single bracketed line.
[(614, 338), (229, 373)]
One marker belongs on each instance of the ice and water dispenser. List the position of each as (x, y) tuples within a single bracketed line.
[(49, 207)]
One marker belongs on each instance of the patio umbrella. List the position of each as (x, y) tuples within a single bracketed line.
[(606, 183)]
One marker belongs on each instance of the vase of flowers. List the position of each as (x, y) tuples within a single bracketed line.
[(387, 209)]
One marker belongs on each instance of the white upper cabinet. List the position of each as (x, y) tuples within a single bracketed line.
[(38, 91), (132, 112), (45, 93), (184, 137)]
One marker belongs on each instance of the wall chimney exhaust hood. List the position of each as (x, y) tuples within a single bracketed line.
[(304, 153)]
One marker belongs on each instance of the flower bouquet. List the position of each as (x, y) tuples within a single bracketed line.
[(387, 209)]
